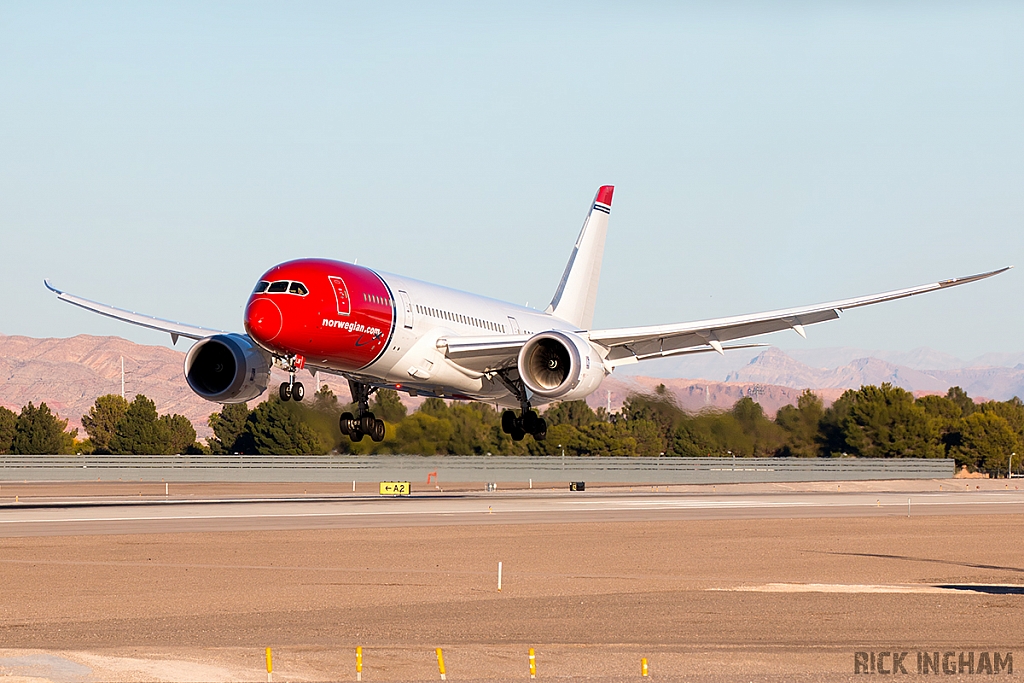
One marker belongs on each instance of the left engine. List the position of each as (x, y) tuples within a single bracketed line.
[(560, 365), (227, 368)]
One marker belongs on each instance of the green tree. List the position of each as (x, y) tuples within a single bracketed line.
[(181, 434), (101, 421), (767, 437), (276, 430), (960, 397), (1012, 411), (325, 401), (575, 413), (801, 423), (140, 431), (229, 431), (476, 429), (987, 441), (38, 431), (388, 406), (424, 434), (434, 407), (8, 421), (880, 422), (696, 437), (947, 417)]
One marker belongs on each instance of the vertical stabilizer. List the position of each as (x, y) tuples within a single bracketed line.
[(576, 295)]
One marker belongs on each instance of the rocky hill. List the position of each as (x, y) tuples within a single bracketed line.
[(772, 366), (69, 374)]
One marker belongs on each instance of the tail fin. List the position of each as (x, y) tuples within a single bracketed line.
[(576, 295)]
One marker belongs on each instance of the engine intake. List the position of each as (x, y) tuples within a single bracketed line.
[(227, 368), (557, 364)]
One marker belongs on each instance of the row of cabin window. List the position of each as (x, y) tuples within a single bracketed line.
[(459, 318), (370, 298), (281, 287)]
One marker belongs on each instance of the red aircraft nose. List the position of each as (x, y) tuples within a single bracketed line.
[(263, 320)]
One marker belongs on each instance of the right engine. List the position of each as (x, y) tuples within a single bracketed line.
[(227, 368), (560, 365)]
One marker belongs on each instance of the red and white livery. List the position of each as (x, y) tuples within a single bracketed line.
[(382, 330)]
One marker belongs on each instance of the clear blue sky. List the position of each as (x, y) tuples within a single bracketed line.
[(160, 156)]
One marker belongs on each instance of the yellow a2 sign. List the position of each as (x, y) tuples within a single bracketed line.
[(395, 488)]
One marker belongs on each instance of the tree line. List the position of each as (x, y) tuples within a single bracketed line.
[(873, 421)]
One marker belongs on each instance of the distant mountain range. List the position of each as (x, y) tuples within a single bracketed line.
[(69, 374), (997, 376)]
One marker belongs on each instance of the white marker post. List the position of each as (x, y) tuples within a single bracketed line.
[(499, 577), (167, 488), (353, 486)]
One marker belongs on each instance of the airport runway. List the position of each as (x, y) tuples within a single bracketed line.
[(737, 585), (75, 517)]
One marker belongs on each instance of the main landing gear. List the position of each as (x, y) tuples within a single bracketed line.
[(527, 421), (366, 424)]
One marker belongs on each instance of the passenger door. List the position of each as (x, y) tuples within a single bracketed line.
[(407, 307)]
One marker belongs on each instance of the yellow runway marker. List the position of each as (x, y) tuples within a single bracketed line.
[(440, 663)]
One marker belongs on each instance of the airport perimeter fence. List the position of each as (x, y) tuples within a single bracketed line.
[(462, 469)]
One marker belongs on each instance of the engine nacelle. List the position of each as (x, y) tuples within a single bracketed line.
[(560, 365), (227, 368)]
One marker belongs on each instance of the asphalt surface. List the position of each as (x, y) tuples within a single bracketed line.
[(120, 516)]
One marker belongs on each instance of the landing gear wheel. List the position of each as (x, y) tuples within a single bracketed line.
[(346, 423), (298, 392), (528, 421), (356, 435), (508, 421), (378, 431), (517, 434), (366, 422), (284, 392), (540, 429)]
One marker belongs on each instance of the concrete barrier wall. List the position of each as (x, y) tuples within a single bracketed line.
[(458, 468)]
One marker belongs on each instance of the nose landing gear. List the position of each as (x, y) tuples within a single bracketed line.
[(291, 390), (366, 424)]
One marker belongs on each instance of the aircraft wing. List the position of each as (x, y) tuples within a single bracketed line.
[(631, 344), (175, 329)]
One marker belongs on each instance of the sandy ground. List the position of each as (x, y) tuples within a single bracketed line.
[(723, 600)]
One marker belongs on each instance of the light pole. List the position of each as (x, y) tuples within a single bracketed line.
[(1009, 468), (563, 457)]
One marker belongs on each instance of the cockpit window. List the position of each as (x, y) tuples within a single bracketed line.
[(261, 287), (277, 287), (298, 288)]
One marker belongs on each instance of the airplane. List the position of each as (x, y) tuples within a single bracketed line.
[(380, 330)]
